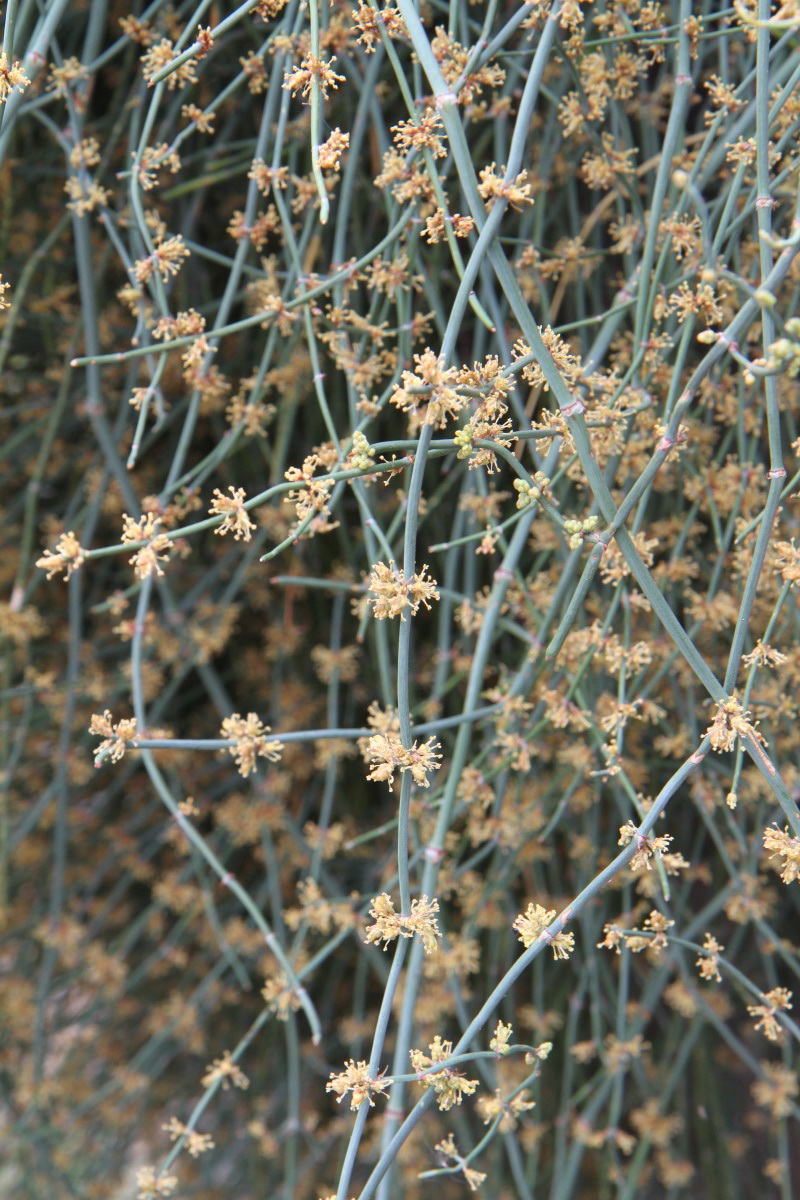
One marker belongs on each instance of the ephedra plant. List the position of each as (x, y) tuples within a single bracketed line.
[(400, 632)]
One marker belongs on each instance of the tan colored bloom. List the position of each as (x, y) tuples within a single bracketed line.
[(764, 656), (225, 1072), (60, 78), (428, 392), (613, 938), (701, 302), (161, 55), (390, 925), (708, 962), (657, 924), (355, 1078), (312, 498), (85, 153), (301, 78), (391, 595), (369, 21), (150, 1185), (777, 1090), (501, 1038), (783, 845), (450, 1086), (777, 1000), (251, 741), (148, 559), (659, 1127), (493, 184), (168, 256), (116, 737), (787, 562), (137, 31), (268, 178), (532, 925), (68, 555), (604, 170), (332, 150), (236, 517), (447, 1148), (491, 1107), (421, 133), (280, 995), (388, 754), (584, 1052), (730, 722), (196, 1143), (255, 72), (619, 1054), (85, 195), (647, 848), (11, 76), (202, 121)]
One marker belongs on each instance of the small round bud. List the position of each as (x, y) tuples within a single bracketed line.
[(765, 298)]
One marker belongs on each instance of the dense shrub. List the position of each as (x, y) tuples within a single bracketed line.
[(403, 407)]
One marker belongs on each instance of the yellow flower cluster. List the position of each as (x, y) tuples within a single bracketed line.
[(532, 925), (449, 1085), (250, 741), (390, 924)]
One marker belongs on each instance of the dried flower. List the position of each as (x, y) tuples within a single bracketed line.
[(787, 562), (355, 1078), (202, 121), (390, 924), (501, 1038), (236, 517), (391, 595), (423, 132), (428, 394), (777, 1089), (732, 722), (161, 55), (148, 559), (332, 150), (196, 1143), (225, 1071), (532, 925), (450, 1086), (68, 555), (251, 741), (777, 1000), (311, 68), (647, 848), (784, 846), (620, 1053), (388, 754), (493, 184), (447, 1149), (117, 738), (708, 962), (11, 76), (150, 1185)]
